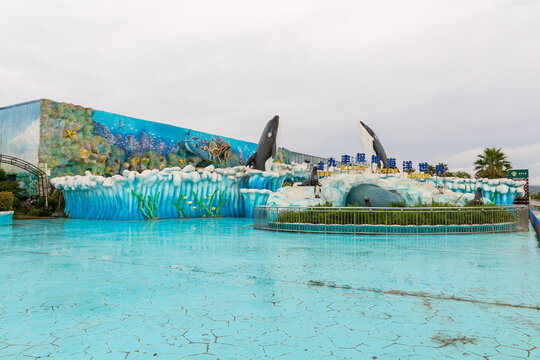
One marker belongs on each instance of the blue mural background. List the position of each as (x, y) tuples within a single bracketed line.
[(146, 144)]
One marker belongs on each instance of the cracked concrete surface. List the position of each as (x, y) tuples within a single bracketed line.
[(217, 289)]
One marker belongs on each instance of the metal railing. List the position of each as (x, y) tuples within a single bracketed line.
[(299, 158), (534, 222), (413, 220)]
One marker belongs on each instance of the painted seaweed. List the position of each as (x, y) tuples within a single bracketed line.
[(148, 207), (179, 207), (210, 208)]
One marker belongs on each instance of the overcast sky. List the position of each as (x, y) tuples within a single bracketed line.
[(436, 80)]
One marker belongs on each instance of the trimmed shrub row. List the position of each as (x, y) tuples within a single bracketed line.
[(408, 216)]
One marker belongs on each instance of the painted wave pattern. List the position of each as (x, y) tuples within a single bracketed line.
[(499, 191), (118, 197), (335, 189)]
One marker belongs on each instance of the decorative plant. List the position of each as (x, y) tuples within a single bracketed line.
[(148, 207), (178, 205), (459, 198), (6, 200), (210, 208)]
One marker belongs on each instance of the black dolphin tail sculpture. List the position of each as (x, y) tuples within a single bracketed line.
[(267, 147), (370, 143)]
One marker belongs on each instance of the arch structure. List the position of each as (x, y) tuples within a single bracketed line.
[(43, 181)]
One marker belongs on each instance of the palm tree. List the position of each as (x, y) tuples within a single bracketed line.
[(492, 164)]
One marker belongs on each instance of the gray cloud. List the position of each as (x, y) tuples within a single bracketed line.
[(432, 78)]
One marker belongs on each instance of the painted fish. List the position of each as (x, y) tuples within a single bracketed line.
[(194, 149)]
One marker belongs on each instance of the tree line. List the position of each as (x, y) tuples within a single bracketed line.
[(492, 163)]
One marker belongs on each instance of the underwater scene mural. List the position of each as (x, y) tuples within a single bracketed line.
[(75, 139), (66, 139), (283, 156)]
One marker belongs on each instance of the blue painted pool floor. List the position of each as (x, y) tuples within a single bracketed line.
[(217, 289)]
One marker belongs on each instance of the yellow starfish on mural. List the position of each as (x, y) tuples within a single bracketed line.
[(69, 134), (180, 161)]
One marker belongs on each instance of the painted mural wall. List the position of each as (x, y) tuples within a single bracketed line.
[(283, 156), (68, 139), (19, 136), (67, 144), (19, 131), (75, 139)]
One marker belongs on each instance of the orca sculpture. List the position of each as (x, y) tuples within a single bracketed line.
[(313, 180), (370, 143), (263, 157)]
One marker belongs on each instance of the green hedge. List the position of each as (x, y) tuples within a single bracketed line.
[(406, 216), (6, 201)]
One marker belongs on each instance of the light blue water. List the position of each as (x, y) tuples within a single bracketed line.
[(216, 288)]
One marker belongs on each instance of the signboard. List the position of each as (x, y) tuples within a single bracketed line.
[(518, 174)]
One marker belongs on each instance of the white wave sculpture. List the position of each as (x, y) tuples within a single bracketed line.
[(173, 192), (334, 189), (234, 192)]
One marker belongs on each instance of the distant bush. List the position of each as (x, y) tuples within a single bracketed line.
[(11, 186), (463, 175), (398, 204), (536, 196), (6, 200), (39, 212), (326, 204), (33, 207)]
